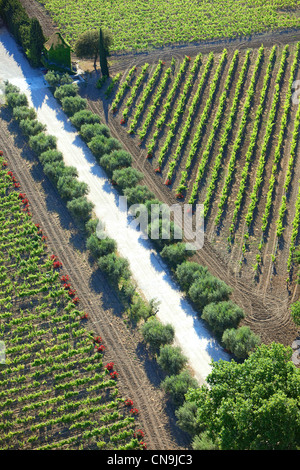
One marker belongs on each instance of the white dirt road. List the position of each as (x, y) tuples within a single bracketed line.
[(149, 271)]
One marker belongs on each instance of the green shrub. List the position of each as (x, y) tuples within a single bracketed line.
[(100, 247), (10, 88), (70, 89), (240, 341), (84, 116), (295, 312), (51, 156), (101, 145), (31, 127), (156, 334), (115, 267), (91, 226), (175, 254), (115, 160), (205, 290), (54, 170), (140, 309), (80, 208), (171, 359), (56, 79), (204, 442), (88, 131), (70, 188), (222, 315), (177, 386), (138, 195), (127, 177), (57, 169), (73, 104), (188, 272), (42, 142), (187, 418), (16, 100), (24, 112)]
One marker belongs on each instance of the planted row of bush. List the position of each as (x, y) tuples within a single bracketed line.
[(210, 295), (44, 145)]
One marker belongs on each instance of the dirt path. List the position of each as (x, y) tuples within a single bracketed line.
[(139, 374)]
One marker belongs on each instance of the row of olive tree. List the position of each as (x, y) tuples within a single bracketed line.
[(44, 145)]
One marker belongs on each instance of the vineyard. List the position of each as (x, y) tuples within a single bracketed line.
[(57, 391), (221, 129), (147, 24), (110, 341)]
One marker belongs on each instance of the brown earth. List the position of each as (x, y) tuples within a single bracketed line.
[(140, 376)]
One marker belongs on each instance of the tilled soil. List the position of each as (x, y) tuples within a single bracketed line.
[(140, 376)]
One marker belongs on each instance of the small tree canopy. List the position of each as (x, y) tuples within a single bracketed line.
[(175, 254), (252, 405), (171, 359), (222, 315), (88, 44), (127, 177), (156, 334), (240, 341), (178, 385)]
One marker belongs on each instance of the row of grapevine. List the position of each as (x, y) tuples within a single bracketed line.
[(201, 126), (167, 105), (188, 122), (148, 89), (288, 176), (179, 109), (214, 129), (239, 138), (279, 147), (121, 91), (134, 90), (55, 389), (295, 232), (253, 139), (224, 139), (268, 134), (156, 101)]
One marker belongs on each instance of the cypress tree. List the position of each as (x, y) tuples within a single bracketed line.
[(37, 40), (103, 55)]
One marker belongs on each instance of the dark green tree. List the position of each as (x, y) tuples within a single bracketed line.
[(252, 405), (103, 53), (89, 45), (37, 41)]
